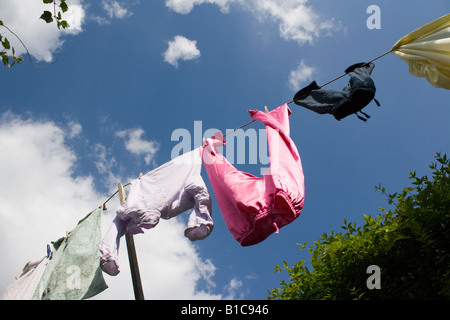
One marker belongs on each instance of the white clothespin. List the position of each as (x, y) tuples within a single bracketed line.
[(121, 193)]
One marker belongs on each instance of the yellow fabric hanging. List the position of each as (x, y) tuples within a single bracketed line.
[(427, 52)]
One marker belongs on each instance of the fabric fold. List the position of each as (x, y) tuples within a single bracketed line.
[(426, 50), (24, 287), (358, 93), (73, 273), (253, 208), (163, 193)]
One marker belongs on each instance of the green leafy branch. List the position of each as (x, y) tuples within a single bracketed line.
[(48, 17), (8, 59), (410, 243), (8, 54)]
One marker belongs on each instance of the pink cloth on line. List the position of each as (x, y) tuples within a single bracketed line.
[(253, 208)]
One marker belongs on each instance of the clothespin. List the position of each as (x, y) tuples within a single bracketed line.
[(140, 175), (204, 142), (267, 110), (67, 234), (49, 251), (121, 193)]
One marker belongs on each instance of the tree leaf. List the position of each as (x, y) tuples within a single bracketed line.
[(64, 24), (410, 242), (6, 44), (47, 16), (64, 7)]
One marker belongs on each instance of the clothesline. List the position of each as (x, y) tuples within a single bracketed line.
[(245, 237), (250, 122), (365, 64), (85, 228), (331, 81), (436, 78)]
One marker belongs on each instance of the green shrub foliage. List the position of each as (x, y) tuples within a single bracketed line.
[(410, 244)]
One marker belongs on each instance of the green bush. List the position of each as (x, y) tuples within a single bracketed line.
[(410, 244)]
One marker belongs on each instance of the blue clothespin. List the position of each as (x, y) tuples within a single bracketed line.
[(49, 251)]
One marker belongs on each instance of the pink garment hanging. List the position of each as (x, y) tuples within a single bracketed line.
[(253, 208)]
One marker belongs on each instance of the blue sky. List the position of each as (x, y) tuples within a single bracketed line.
[(130, 73)]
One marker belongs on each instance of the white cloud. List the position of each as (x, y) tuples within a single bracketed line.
[(297, 20), (234, 289), (170, 264), (136, 145), (115, 10), (181, 48), (41, 39), (186, 6), (75, 17), (301, 75), (106, 165), (41, 199), (74, 129), (103, 160)]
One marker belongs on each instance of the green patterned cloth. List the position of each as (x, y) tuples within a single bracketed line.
[(74, 273)]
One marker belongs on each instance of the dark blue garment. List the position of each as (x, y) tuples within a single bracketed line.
[(359, 92)]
